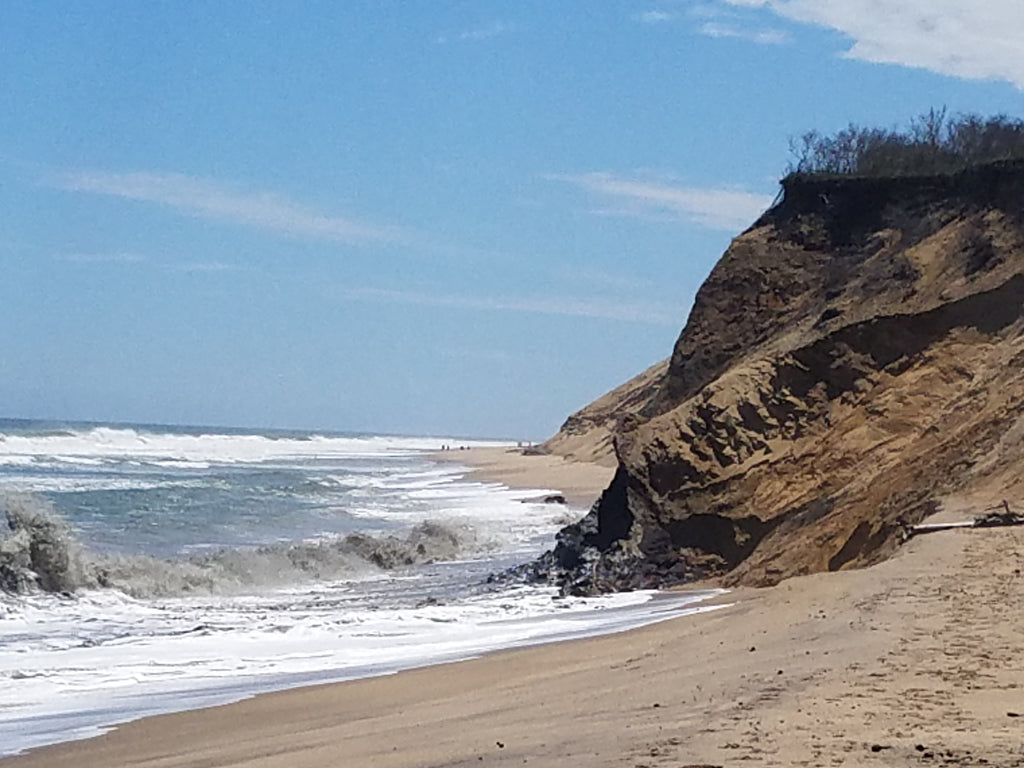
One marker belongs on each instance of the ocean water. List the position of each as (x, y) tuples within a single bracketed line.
[(148, 569)]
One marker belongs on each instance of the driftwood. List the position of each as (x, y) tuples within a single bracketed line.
[(932, 527), (994, 517)]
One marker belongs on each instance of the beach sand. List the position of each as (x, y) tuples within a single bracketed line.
[(916, 661), (579, 482)]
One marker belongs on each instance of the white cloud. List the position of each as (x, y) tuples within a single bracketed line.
[(483, 32), (202, 266), (651, 313), (713, 9), (603, 279), (972, 39), (483, 355), (207, 199), (135, 258), (761, 36), (714, 208), (655, 17)]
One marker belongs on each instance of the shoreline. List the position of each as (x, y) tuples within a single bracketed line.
[(581, 622), (846, 668), (581, 483)]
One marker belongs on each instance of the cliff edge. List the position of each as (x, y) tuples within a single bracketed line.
[(588, 435), (855, 359)]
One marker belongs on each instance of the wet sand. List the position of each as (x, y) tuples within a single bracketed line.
[(916, 661)]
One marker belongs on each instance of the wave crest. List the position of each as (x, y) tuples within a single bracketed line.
[(103, 444), (39, 552)]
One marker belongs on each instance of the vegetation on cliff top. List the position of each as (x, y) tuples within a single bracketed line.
[(852, 363), (931, 144)]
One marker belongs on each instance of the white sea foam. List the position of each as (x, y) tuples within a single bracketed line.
[(70, 670), (252, 557), (93, 445), (37, 483)]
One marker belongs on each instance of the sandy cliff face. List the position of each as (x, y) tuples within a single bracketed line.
[(855, 360), (588, 434)]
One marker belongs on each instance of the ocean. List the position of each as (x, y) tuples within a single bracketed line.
[(147, 569)]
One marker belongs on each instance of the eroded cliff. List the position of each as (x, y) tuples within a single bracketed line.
[(588, 434), (855, 359)]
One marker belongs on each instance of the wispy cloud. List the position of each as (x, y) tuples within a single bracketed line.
[(482, 32), (968, 39), (602, 279), (102, 258), (136, 258), (650, 313), (208, 199), (202, 266), (655, 17), (760, 36), (478, 354), (637, 197), (712, 9)]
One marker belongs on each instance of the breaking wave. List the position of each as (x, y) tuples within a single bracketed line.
[(39, 552), (99, 445)]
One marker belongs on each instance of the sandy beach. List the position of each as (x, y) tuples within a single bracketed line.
[(579, 482), (915, 661)]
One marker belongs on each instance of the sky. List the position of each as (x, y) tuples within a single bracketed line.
[(449, 218)]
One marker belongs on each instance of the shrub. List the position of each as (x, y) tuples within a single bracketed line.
[(932, 143)]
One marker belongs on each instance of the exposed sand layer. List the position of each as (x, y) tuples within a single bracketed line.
[(916, 661)]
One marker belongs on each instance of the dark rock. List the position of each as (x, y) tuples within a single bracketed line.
[(536, 450)]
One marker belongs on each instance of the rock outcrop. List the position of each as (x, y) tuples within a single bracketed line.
[(855, 359)]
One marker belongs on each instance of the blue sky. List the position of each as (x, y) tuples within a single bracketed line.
[(430, 217)]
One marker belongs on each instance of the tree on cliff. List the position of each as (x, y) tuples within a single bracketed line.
[(933, 143)]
